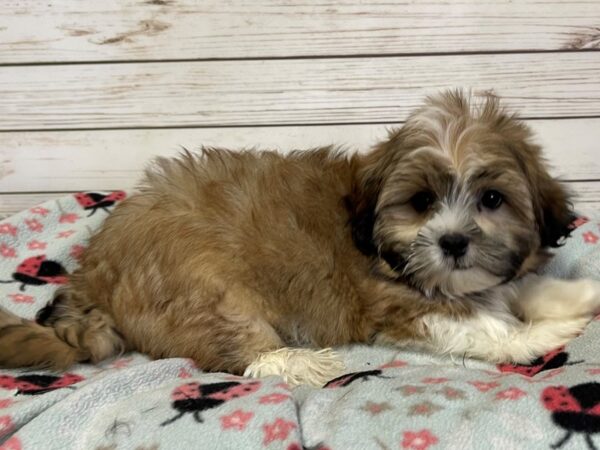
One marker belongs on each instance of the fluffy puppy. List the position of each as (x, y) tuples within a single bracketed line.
[(250, 262)]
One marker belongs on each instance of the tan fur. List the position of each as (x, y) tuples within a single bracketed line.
[(224, 256)]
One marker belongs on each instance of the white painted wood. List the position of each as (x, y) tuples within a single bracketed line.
[(14, 203), (287, 92), (587, 199), (92, 30), (79, 160)]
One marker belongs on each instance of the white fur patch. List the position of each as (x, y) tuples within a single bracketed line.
[(499, 339), (298, 366), (547, 298), (554, 312)]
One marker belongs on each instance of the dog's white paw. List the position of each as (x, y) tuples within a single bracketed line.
[(543, 298), (298, 366), (589, 294)]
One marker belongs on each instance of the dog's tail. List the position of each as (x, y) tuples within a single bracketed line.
[(62, 336)]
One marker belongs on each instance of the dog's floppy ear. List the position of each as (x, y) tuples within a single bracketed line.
[(370, 172), (551, 204), (554, 211)]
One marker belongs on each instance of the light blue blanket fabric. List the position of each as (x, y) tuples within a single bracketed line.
[(393, 400)]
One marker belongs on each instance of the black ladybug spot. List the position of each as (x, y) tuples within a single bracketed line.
[(26, 279), (50, 269)]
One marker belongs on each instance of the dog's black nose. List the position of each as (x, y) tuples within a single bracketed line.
[(454, 244)]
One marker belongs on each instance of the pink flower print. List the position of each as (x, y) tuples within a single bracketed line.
[(184, 373), (595, 371), (274, 398), (578, 222), (12, 444), (550, 374), (451, 393), (512, 393), (236, 420), (296, 446), (376, 408), (5, 403), (418, 440), (424, 409), (394, 364), (6, 251), (77, 252), (121, 363), (589, 237), (7, 228), (279, 430), (21, 298), (493, 374), (434, 380), (6, 425), (68, 218), (283, 386), (36, 245), (192, 363), (65, 234), (483, 386), (40, 210), (411, 390), (34, 225)]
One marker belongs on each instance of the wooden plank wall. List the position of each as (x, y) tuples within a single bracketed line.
[(91, 90)]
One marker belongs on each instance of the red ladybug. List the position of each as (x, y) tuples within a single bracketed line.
[(35, 384), (38, 271), (195, 397), (576, 409), (348, 378), (95, 200), (552, 360)]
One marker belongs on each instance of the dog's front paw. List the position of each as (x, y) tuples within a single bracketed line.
[(588, 292), (539, 338), (543, 298)]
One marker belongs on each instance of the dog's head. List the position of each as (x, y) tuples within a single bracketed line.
[(459, 199)]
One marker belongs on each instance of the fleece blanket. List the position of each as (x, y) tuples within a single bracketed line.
[(389, 399)]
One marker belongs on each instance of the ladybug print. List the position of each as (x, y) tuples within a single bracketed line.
[(195, 397), (38, 271), (576, 409), (94, 200), (553, 360), (349, 378), (35, 384)]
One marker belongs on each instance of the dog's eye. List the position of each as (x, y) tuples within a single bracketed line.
[(422, 201), (492, 199)]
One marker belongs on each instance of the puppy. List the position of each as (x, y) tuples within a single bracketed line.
[(250, 262)]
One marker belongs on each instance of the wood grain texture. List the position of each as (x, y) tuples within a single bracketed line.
[(14, 203), (586, 196), (79, 160), (91, 30), (361, 90)]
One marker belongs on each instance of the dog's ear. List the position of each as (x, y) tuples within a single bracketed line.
[(554, 210), (551, 202), (370, 172)]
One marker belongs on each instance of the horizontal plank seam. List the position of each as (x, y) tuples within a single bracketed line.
[(297, 57), (259, 125), (26, 193), (583, 180)]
